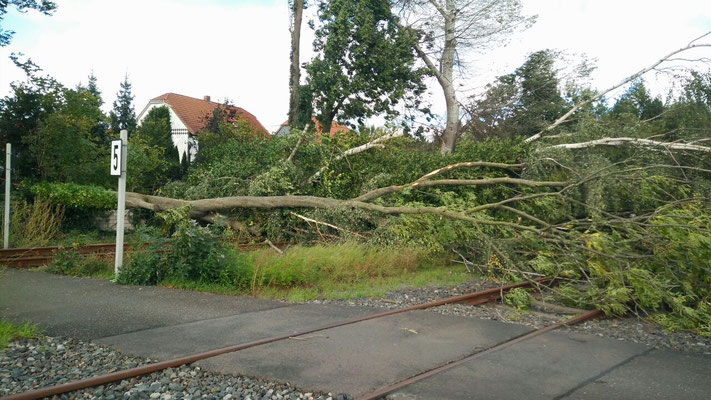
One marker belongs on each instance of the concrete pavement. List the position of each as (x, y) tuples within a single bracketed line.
[(163, 323)]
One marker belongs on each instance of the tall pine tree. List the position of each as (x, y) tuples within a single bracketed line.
[(99, 131), (123, 116), (94, 89)]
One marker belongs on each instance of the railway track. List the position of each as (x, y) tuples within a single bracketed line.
[(40, 256), (479, 297)]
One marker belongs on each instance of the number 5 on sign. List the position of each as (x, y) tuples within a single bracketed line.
[(116, 157)]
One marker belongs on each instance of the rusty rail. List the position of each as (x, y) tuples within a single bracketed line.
[(40, 256), (489, 294), (384, 391)]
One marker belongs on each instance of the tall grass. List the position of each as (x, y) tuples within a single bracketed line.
[(34, 224), (318, 265)]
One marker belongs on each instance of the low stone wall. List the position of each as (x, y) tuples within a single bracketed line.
[(107, 221)]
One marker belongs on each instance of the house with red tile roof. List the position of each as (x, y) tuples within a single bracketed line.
[(335, 128), (189, 116)]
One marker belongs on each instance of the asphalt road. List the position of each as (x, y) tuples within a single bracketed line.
[(165, 323)]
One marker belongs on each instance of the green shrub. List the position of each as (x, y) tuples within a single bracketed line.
[(192, 253), (141, 267), (80, 197), (65, 261), (195, 253)]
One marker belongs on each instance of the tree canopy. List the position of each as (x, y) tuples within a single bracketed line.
[(46, 7), (448, 31), (364, 64), (123, 115)]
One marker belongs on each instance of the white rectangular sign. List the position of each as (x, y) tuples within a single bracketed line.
[(116, 157)]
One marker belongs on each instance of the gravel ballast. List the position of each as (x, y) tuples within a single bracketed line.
[(37, 363)]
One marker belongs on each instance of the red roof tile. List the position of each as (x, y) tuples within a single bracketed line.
[(195, 113)]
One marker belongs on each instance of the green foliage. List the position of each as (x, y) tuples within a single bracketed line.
[(193, 253), (122, 115), (10, 332), (68, 261), (55, 129), (78, 197), (364, 64), (638, 102), (196, 253), (141, 267), (518, 298), (153, 160), (45, 7), (521, 103)]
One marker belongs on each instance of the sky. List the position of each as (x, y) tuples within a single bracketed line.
[(239, 49)]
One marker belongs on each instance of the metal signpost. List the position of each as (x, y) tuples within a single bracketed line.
[(6, 221), (118, 168)]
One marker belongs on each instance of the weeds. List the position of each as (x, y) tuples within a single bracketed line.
[(518, 298), (70, 262), (34, 224), (10, 332)]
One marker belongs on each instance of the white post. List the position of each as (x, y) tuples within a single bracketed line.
[(121, 210), (8, 168)]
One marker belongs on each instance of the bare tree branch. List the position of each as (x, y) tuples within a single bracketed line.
[(630, 78), (469, 164), (634, 142), (373, 194), (338, 228)]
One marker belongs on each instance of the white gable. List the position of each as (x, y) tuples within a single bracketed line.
[(182, 139)]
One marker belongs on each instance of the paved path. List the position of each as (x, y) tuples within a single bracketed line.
[(164, 323)]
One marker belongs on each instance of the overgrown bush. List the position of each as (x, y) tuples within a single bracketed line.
[(192, 253), (141, 267)]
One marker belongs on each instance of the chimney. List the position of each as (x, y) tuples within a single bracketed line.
[(206, 98)]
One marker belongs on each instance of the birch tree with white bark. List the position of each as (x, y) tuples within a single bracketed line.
[(450, 30)]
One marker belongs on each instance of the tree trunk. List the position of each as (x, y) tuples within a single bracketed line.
[(451, 131), (295, 69)]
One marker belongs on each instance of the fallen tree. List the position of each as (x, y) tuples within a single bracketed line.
[(206, 209)]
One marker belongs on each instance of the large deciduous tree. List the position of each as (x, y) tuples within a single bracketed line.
[(365, 63), (46, 7), (451, 28), (51, 128), (297, 11), (123, 116)]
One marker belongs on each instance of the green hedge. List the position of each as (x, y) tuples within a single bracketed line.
[(79, 197)]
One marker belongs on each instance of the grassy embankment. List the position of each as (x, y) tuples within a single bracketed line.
[(339, 271)]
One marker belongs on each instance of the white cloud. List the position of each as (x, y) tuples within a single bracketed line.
[(240, 50)]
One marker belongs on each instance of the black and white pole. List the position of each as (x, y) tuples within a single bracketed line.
[(6, 221), (119, 151)]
